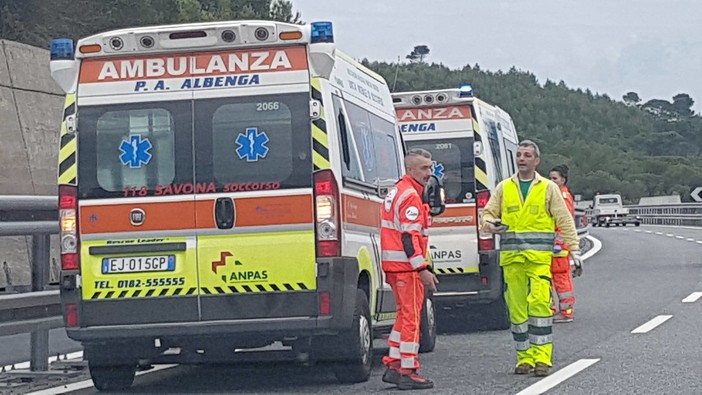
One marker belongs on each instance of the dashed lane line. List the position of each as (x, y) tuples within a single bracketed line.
[(558, 377), (693, 297), (690, 239), (652, 324), (659, 233), (679, 237)]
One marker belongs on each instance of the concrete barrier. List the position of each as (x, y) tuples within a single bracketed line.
[(30, 117)]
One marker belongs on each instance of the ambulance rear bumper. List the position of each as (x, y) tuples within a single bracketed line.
[(274, 314)]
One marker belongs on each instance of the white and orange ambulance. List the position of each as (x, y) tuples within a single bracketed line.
[(220, 187), (474, 146)]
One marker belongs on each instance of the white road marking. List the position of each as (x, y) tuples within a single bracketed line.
[(596, 247), (81, 385), (693, 297), (637, 230), (674, 226), (669, 234), (558, 377), (699, 242), (650, 325), (649, 231), (25, 365), (679, 237), (690, 239), (659, 233)]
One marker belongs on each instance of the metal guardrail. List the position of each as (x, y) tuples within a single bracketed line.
[(683, 214), (37, 311)]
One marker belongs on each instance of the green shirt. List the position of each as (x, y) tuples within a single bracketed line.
[(524, 186)]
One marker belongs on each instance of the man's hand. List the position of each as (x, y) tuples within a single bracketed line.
[(496, 226), (429, 279), (577, 263)]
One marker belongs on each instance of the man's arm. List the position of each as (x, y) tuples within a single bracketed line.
[(411, 215), (557, 208), (493, 209)]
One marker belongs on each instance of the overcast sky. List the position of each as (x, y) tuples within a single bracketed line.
[(651, 47)]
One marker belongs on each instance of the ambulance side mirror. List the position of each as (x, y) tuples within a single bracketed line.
[(384, 186), (434, 196)]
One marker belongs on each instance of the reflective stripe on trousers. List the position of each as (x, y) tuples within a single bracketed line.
[(540, 330)]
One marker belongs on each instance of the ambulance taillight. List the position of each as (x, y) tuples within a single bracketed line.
[(486, 241), (68, 222), (326, 197)]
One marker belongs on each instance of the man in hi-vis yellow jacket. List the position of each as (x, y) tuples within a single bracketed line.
[(524, 210)]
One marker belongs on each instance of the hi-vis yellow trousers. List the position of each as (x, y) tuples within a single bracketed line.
[(528, 296)]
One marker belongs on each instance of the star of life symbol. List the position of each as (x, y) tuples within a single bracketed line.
[(135, 151), (252, 145), (437, 169)]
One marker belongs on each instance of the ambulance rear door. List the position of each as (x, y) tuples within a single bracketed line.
[(253, 169), (138, 262)]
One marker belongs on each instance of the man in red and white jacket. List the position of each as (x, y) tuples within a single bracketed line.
[(404, 242)]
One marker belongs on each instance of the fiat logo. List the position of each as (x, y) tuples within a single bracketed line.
[(137, 216)]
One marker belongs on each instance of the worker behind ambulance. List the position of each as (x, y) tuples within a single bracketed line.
[(560, 264), (404, 245)]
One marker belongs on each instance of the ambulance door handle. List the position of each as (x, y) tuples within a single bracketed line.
[(224, 213)]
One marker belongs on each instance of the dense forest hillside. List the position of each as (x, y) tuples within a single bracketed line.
[(637, 149), (623, 146)]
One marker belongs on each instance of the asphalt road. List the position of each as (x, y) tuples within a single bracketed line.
[(638, 275)]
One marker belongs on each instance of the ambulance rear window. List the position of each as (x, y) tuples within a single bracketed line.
[(452, 162), (253, 143)]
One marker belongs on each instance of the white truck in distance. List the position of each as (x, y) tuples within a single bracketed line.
[(608, 210)]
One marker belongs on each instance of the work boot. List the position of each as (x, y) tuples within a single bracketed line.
[(561, 318), (413, 381), (523, 368), (541, 369), (392, 374)]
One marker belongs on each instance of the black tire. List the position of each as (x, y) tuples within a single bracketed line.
[(112, 378), (427, 336), (637, 224), (497, 315), (357, 367), (607, 224)]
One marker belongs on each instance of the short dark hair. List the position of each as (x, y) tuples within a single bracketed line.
[(562, 170)]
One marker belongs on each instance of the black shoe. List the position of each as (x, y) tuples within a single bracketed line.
[(414, 381), (391, 376), (541, 369)]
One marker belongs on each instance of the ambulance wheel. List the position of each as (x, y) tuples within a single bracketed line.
[(497, 315), (357, 367), (427, 335), (110, 378)]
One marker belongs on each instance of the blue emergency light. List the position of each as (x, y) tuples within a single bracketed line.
[(62, 49), (465, 90), (322, 32)]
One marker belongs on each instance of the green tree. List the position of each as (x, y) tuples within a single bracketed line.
[(418, 54), (682, 104), (631, 99)]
